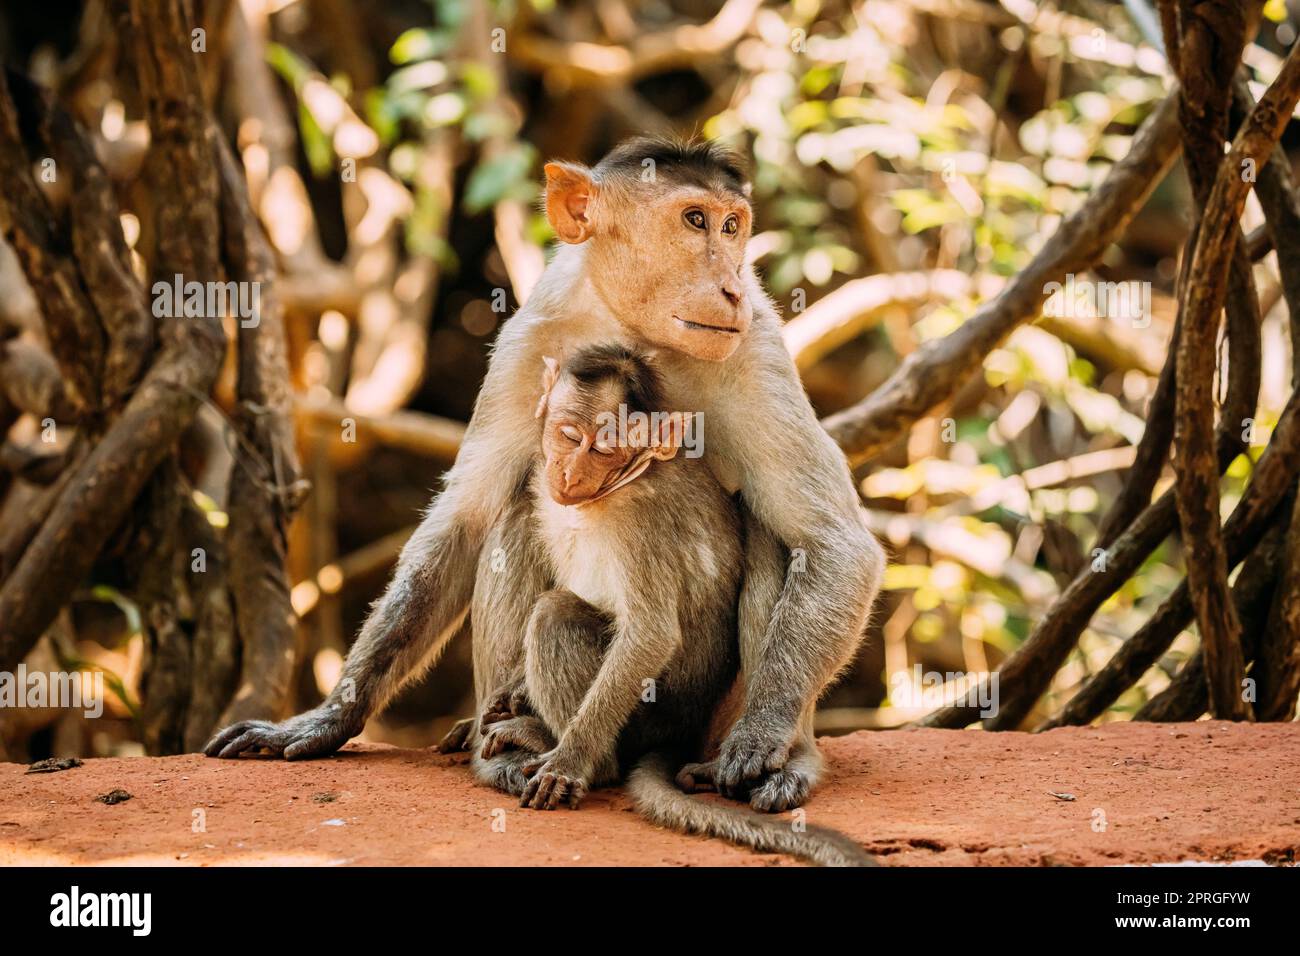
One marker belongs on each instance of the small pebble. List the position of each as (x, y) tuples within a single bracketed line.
[(54, 765)]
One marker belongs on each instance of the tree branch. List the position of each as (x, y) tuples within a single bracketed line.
[(600, 65), (264, 485), (101, 490), (937, 369), (1195, 465)]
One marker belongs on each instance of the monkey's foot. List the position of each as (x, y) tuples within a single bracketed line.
[(552, 784), (517, 733), (781, 791), (749, 754), (695, 777), (457, 739)]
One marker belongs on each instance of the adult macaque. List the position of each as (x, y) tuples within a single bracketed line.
[(628, 656), (654, 254)]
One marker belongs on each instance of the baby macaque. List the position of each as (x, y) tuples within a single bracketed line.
[(635, 645), (627, 658)]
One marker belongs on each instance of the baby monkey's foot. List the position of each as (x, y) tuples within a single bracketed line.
[(458, 738), (694, 777), (502, 704), (516, 733)]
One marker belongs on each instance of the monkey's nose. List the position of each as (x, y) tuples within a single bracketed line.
[(731, 292)]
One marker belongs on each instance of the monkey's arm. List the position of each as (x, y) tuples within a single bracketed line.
[(797, 485), (647, 635), (427, 598)]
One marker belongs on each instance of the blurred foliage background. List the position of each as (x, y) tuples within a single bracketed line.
[(907, 157)]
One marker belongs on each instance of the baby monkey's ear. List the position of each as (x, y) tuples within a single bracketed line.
[(550, 375), (669, 438)]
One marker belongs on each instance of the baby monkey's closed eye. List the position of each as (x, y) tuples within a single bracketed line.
[(602, 425)]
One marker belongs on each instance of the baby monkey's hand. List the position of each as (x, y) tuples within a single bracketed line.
[(517, 733), (694, 777), (556, 779)]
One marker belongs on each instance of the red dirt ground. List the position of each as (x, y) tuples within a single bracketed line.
[(1166, 793)]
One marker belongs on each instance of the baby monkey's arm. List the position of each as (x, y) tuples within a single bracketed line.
[(646, 637)]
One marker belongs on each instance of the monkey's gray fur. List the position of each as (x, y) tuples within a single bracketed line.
[(798, 626)]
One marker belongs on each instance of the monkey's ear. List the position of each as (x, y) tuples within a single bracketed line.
[(550, 376), (570, 189), (669, 438)]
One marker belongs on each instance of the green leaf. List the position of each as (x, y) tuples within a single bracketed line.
[(293, 68), (478, 81), (419, 43), (417, 76), (111, 595), (480, 126), (320, 154), (818, 78), (451, 13), (382, 115), (496, 178), (539, 230), (806, 115)]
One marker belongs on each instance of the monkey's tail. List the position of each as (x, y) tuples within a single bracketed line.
[(658, 799)]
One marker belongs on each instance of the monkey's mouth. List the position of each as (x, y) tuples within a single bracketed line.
[(702, 327)]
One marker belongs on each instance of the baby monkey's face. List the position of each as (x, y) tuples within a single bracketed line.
[(583, 454), (590, 448)]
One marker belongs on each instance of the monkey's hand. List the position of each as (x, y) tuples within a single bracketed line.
[(504, 703), (313, 734), (556, 779), (752, 750)]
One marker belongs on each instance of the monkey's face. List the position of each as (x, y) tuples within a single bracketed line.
[(674, 273), (667, 258), (583, 458), (592, 445)]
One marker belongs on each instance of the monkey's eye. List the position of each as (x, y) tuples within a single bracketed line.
[(695, 219), (731, 226), (571, 433), (600, 449)]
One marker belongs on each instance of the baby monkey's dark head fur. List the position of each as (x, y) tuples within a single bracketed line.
[(603, 422)]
